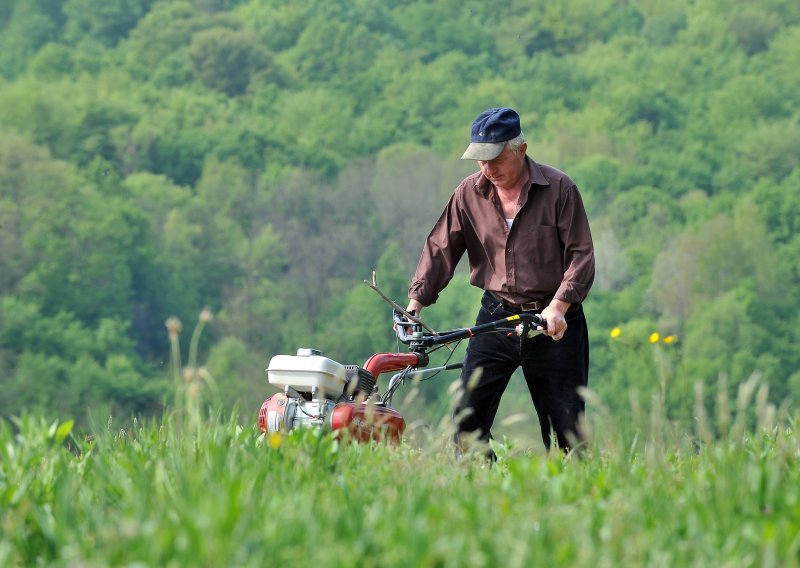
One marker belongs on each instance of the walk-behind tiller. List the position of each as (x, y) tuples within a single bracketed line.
[(319, 392)]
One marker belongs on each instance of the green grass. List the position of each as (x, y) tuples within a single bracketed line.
[(214, 493)]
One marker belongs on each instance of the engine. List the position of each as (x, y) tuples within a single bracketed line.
[(319, 392), (283, 413)]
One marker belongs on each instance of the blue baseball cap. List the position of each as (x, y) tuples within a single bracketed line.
[(490, 132)]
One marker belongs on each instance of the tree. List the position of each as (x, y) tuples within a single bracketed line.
[(58, 366), (711, 260), (62, 238), (107, 22), (159, 41), (29, 27), (52, 61), (754, 28), (779, 206), (404, 189), (239, 372), (767, 149), (252, 307), (225, 60), (368, 327)]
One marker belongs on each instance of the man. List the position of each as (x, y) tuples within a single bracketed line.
[(526, 234)]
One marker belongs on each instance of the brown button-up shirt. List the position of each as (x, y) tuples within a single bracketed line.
[(547, 253)]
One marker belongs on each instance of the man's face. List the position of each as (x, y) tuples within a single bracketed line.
[(506, 169)]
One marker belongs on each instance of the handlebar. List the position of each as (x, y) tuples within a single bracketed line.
[(420, 342), (521, 324)]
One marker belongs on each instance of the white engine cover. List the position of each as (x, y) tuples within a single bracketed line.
[(307, 371)]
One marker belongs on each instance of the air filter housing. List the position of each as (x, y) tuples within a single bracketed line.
[(359, 381)]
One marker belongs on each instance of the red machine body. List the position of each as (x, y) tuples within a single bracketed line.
[(365, 422), (273, 412)]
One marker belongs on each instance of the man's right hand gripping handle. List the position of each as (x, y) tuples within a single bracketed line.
[(414, 307)]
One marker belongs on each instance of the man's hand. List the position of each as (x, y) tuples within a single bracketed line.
[(414, 307), (554, 314)]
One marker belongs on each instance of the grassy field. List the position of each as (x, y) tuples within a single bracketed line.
[(210, 492)]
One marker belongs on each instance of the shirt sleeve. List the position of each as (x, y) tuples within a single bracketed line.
[(573, 227), (443, 248)]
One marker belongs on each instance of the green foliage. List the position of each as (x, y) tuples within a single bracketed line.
[(224, 59), (52, 61), (156, 47), (779, 206), (70, 118), (727, 253), (58, 366), (311, 53), (107, 22), (440, 27), (29, 26), (641, 209), (368, 318), (234, 366)]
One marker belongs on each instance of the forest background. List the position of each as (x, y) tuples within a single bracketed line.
[(261, 157)]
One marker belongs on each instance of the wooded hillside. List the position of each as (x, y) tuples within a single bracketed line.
[(262, 157)]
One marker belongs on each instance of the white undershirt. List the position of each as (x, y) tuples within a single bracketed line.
[(509, 222)]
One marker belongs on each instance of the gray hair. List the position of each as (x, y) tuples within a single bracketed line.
[(515, 143)]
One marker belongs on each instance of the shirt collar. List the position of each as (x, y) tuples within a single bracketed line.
[(535, 176), (535, 173)]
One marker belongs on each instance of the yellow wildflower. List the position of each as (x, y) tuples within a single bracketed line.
[(615, 333), (670, 339), (654, 337), (275, 440)]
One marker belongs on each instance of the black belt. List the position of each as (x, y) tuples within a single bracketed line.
[(524, 307)]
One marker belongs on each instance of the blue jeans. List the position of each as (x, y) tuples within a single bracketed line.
[(553, 371)]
